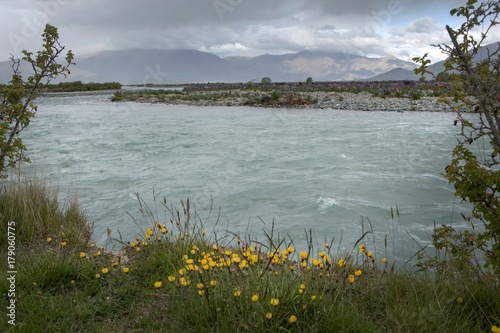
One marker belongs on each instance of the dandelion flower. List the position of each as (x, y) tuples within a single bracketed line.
[(358, 272), (292, 319), (313, 298), (97, 254), (269, 315), (97, 276), (171, 278), (201, 292), (303, 255), (213, 283), (255, 298), (104, 270), (369, 254), (302, 286), (274, 301), (157, 284), (64, 243), (49, 239), (384, 260), (149, 231), (351, 278), (495, 329), (237, 293), (125, 269), (301, 291), (200, 285), (326, 245), (290, 249), (459, 300), (341, 262), (72, 282)]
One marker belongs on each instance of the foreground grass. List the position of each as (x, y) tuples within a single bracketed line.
[(176, 277)]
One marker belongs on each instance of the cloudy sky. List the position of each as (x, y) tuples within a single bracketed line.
[(403, 28)]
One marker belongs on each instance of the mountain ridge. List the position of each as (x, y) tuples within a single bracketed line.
[(178, 66)]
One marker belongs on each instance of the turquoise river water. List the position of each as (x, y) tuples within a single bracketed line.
[(331, 171)]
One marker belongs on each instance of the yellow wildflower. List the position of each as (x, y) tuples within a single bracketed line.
[(213, 283), (269, 315), (72, 282), (303, 255), (302, 286), (163, 230), (290, 249), (171, 278), (274, 301), (201, 292), (97, 276), (49, 239), (184, 282), (200, 285), (157, 284), (64, 243), (149, 231), (82, 254), (301, 291), (351, 278), (369, 254), (255, 298), (321, 254), (125, 269), (495, 329), (97, 254), (326, 245), (341, 262), (292, 319), (358, 272), (313, 298), (237, 293), (384, 260), (104, 270)]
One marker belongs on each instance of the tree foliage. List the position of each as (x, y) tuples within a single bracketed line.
[(17, 106), (474, 70)]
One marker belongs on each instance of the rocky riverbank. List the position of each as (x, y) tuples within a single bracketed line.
[(395, 96)]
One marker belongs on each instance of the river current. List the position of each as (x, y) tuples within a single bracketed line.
[(335, 172)]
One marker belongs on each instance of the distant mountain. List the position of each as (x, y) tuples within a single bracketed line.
[(436, 68), (136, 66)]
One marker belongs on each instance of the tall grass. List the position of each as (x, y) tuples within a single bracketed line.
[(38, 213), (175, 276)]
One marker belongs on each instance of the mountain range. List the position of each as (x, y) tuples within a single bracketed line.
[(140, 66), (144, 66)]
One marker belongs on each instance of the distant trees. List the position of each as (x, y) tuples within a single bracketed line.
[(309, 80), (474, 72), (16, 98), (80, 86), (266, 80)]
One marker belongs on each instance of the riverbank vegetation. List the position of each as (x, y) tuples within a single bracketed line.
[(290, 94), (176, 275), (78, 86)]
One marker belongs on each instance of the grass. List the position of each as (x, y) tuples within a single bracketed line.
[(175, 276)]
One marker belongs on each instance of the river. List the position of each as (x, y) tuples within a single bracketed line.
[(335, 172)]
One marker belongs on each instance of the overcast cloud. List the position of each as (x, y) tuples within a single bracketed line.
[(402, 28)]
